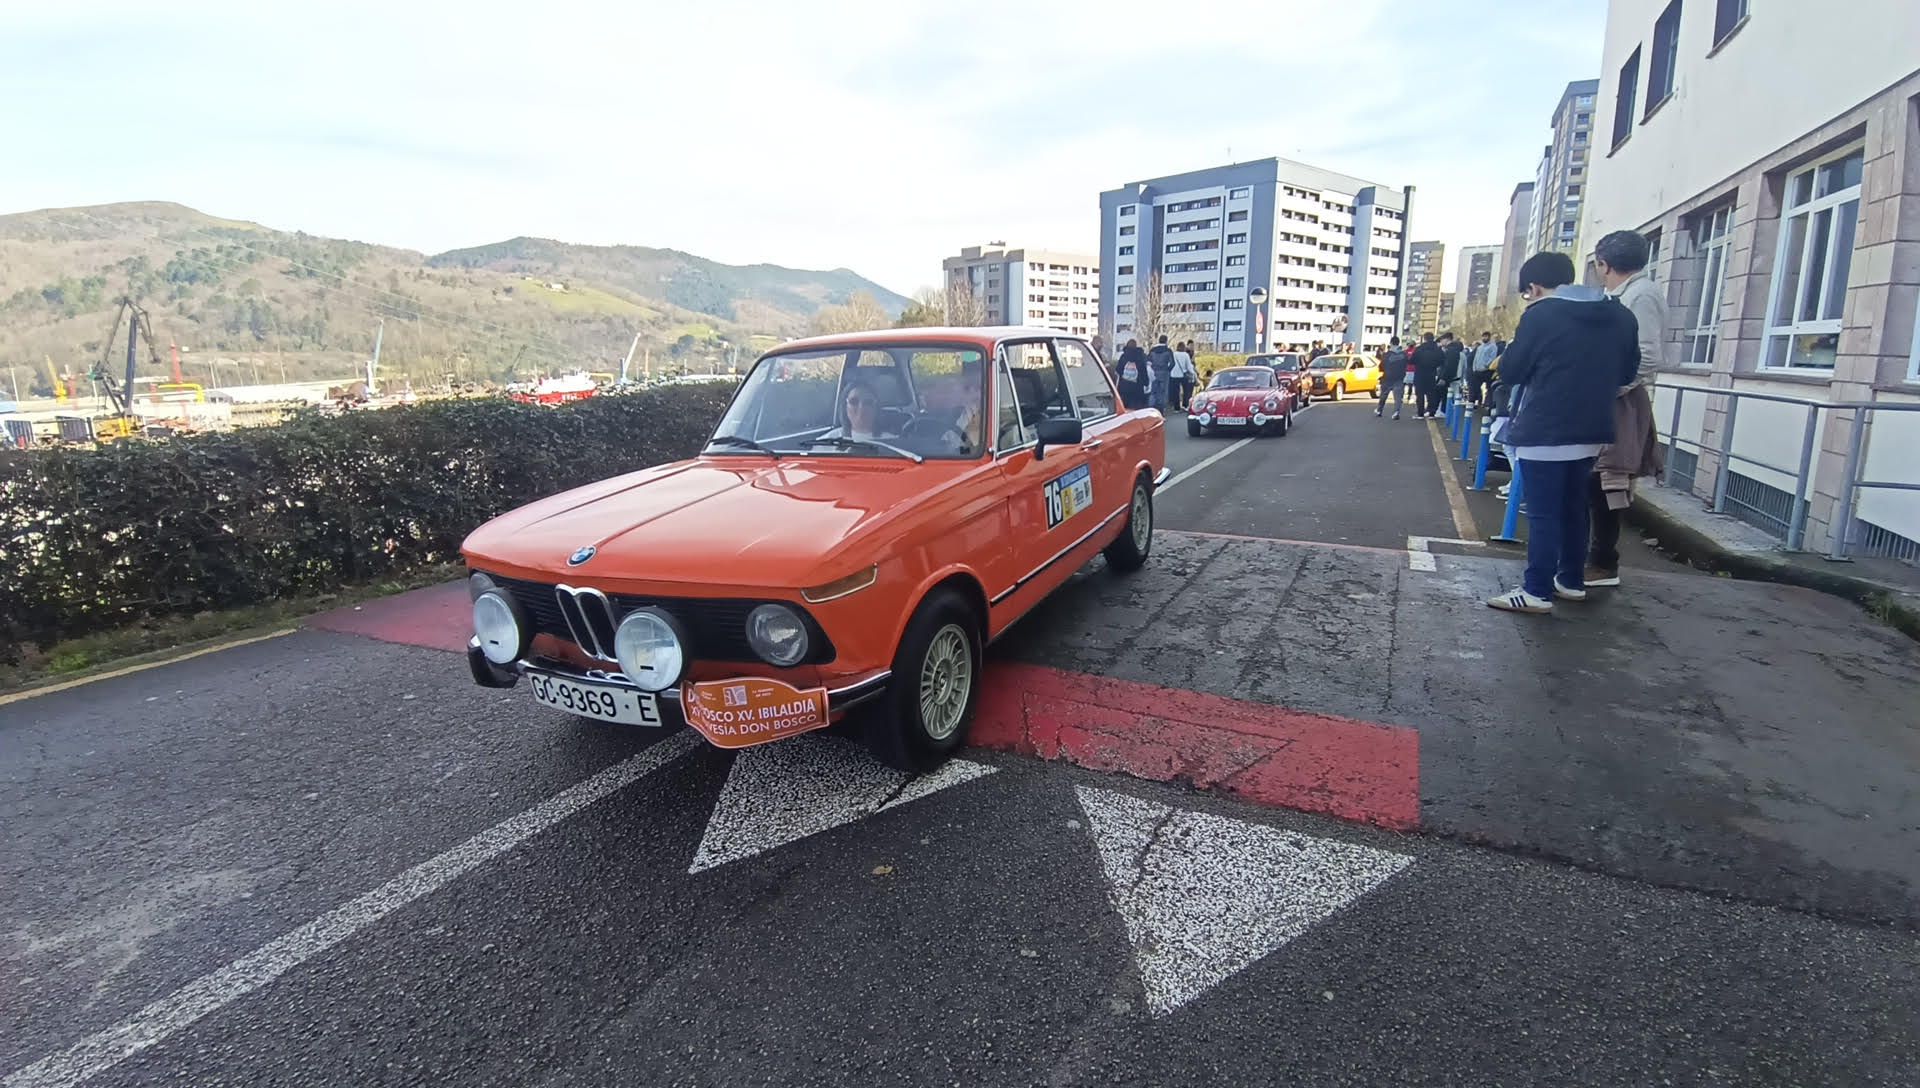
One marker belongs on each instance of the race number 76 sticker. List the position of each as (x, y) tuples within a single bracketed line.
[(1068, 495)]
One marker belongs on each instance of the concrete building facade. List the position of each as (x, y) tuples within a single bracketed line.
[(1426, 274), (1513, 250), (1040, 287), (1561, 181), (1785, 214), (1325, 246), (1478, 272)]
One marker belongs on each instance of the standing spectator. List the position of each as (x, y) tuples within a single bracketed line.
[(1428, 358), (1160, 363), (1574, 349), (1132, 375), (1621, 260), (1483, 355), (1393, 378), (1100, 347), (1319, 349), (1184, 374), (1450, 368)]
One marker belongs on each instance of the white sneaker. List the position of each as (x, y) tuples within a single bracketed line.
[(1519, 600), (1561, 591)]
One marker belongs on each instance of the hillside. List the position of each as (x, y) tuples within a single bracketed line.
[(242, 299)]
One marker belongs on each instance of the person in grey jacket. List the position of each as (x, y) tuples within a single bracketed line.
[(1621, 260), (1160, 361)]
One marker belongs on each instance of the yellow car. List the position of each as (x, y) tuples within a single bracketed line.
[(1337, 375)]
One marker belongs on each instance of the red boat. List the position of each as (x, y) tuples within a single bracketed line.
[(561, 390)]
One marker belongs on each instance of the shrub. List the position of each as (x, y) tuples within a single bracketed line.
[(94, 539)]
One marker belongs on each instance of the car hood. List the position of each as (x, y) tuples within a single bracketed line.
[(1236, 395), (713, 521)]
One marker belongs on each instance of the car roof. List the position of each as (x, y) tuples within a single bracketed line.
[(985, 335), (1231, 369)]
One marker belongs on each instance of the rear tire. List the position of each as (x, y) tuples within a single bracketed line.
[(935, 686), (1129, 551)]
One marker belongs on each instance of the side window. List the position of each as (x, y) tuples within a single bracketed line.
[(1087, 380), (1038, 387), (1357, 364), (1006, 410)]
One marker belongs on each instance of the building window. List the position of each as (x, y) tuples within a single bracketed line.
[(1124, 289), (1126, 251), (1623, 99), (1241, 193), (1236, 239), (1727, 17), (1124, 308), (1820, 212), (1666, 55), (1126, 270), (1237, 217), (1127, 210), (1126, 230), (1237, 261), (1653, 255), (1235, 303), (1236, 281), (1712, 236)]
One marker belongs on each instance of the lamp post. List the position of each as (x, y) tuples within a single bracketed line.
[(1258, 296)]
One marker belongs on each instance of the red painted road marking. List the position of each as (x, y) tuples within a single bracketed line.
[(1268, 754)]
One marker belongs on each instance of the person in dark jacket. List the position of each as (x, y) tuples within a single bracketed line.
[(1574, 349), (1427, 361), (1131, 374), (1393, 378), (1450, 366), (1160, 363)]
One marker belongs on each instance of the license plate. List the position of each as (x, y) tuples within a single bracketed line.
[(1229, 421), (607, 702)]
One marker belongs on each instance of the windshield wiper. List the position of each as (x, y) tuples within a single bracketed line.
[(743, 443), (843, 443)]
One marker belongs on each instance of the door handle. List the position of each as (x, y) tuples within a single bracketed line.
[(1093, 445)]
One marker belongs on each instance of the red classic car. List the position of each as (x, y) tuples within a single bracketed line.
[(1243, 399), (870, 512)]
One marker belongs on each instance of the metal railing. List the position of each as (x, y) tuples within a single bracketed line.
[(1761, 504)]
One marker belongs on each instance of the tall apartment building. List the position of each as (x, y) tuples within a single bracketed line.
[(1785, 214), (1479, 270), (1044, 287), (1445, 320), (1561, 181), (1513, 250), (1426, 272), (1325, 246)]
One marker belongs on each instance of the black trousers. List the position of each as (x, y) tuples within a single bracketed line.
[(1431, 394), (1476, 385), (1605, 551)]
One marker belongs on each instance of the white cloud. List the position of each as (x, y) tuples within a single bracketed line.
[(862, 134)]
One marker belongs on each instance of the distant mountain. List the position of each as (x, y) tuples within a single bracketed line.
[(241, 299)]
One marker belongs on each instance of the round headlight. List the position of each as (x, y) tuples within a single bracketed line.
[(776, 633), (496, 622), (1273, 404), (650, 650), (478, 583)]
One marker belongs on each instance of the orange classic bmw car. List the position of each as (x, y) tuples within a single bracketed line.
[(871, 511)]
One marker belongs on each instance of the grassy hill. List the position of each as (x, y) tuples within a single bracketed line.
[(242, 299)]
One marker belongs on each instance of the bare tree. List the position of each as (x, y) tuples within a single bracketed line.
[(929, 307), (859, 313), (1154, 316), (963, 306)]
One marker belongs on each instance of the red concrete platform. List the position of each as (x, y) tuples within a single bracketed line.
[(1267, 754)]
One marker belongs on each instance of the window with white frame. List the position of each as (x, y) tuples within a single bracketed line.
[(1712, 238), (1818, 216), (1127, 210), (1240, 193), (1666, 57), (1728, 15)]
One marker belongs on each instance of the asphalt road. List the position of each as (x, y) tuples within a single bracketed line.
[(1666, 839)]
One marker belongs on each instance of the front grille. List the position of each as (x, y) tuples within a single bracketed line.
[(717, 628)]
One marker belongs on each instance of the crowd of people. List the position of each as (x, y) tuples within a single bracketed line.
[(1163, 377)]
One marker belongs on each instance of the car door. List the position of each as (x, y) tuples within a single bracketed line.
[(1362, 375), (1051, 500), (1114, 443)]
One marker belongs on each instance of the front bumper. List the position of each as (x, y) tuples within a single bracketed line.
[(488, 675)]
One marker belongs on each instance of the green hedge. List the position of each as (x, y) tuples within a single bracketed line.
[(95, 539)]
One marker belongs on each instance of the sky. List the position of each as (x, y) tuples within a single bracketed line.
[(876, 136)]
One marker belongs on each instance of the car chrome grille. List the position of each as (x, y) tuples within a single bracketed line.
[(587, 617)]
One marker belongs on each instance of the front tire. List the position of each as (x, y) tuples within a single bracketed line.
[(935, 686), (1285, 426), (1129, 552), (1194, 430), (1339, 391)]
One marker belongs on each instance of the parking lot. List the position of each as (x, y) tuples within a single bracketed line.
[(1670, 834)]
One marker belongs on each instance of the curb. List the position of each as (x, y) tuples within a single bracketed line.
[(1893, 605)]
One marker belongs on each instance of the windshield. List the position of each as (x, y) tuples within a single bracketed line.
[(1285, 363), (1244, 378), (875, 400)]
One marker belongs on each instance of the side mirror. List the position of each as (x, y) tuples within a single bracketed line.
[(1055, 432)]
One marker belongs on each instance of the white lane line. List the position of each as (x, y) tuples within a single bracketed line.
[(210, 992), (1420, 558), (1171, 484)]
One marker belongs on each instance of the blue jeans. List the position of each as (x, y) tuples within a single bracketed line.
[(1557, 523), (1157, 396)]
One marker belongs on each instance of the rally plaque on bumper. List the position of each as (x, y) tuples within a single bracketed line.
[(746, 711)]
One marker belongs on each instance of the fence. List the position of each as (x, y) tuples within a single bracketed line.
[(1776, 497)]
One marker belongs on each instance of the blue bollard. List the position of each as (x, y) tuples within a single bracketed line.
[(1466, 433), (1511, 524), (1456, 413), (1486, 455)]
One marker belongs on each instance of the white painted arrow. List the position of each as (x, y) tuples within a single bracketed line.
[(1204, 897), (783, 792)]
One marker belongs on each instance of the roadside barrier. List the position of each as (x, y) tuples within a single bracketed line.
[(1511, 524), (1486, 454), (1465, 430)]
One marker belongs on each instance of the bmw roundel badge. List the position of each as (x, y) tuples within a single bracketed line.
[(581, 555)]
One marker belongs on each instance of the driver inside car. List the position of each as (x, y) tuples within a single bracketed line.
[(862, 404)]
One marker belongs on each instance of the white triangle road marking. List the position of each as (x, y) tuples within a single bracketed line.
[(1204, 897), (783, 792)]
